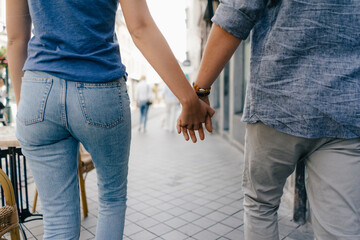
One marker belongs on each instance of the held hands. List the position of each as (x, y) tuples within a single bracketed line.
[(192, 117)]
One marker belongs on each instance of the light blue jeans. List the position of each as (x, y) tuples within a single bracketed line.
[(54, 115)]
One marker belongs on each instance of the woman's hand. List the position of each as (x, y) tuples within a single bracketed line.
[(193, 115)]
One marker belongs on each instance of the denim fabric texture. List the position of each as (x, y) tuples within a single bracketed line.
[(76, 44), (54, 116), (305, 63)]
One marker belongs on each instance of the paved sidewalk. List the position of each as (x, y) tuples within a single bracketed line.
[(180, 190)]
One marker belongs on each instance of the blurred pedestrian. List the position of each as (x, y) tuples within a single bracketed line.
[(74, 90), (171, 109), (302, 104), (144, 100)]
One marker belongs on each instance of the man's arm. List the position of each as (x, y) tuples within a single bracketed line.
[(220, 46), (18, 25)]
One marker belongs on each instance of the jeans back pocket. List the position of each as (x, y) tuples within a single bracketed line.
[(33, 98), (102, 103)]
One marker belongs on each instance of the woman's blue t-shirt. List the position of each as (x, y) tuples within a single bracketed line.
[(75, 40)]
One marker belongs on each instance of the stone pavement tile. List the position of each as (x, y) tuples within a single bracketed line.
[(37, 231), (137, 216), (178, 201), (191, 198), (238, 204), (165, 206), (140, 206), (221, 190), (89, 221), (162, 216), (28, 228), (236, 234), (190, 206), (84, 234), (177, 211), (159, 229), (201, 201), (228, 210), (286, 226), (147, 223), (175, 222), (127, 222), (28, 234), (153, 202), (39, 237), (206, 235), (239, 214), (174, 235), (304, 232), (217, 216), (203, 211), (33, 224), (151, 211), (212, 196), (200, 193), (225, 200), (142, 235), (132, 229), (306, 228), (233, 222), (190, 229), (214, 205), (220, 229), (235, 193), (130, 210), (204, 222), (92, 230), (190, 216), (165, 198)]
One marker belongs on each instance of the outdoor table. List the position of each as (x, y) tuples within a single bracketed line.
[(13, 163)]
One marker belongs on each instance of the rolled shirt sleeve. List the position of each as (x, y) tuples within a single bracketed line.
[(238, 17)]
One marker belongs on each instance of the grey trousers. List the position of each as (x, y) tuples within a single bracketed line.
[(332, 182)]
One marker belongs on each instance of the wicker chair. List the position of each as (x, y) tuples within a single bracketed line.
[(8, 214), (85, 165)]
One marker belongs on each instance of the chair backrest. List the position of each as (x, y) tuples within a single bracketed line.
[(9, 221)]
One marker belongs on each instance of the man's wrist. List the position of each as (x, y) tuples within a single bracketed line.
[(201, 92)]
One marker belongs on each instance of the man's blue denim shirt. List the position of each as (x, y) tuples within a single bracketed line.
[(305, 63)]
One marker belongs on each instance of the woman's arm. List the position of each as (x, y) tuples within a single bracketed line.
[(18, 25), (155, 49)]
